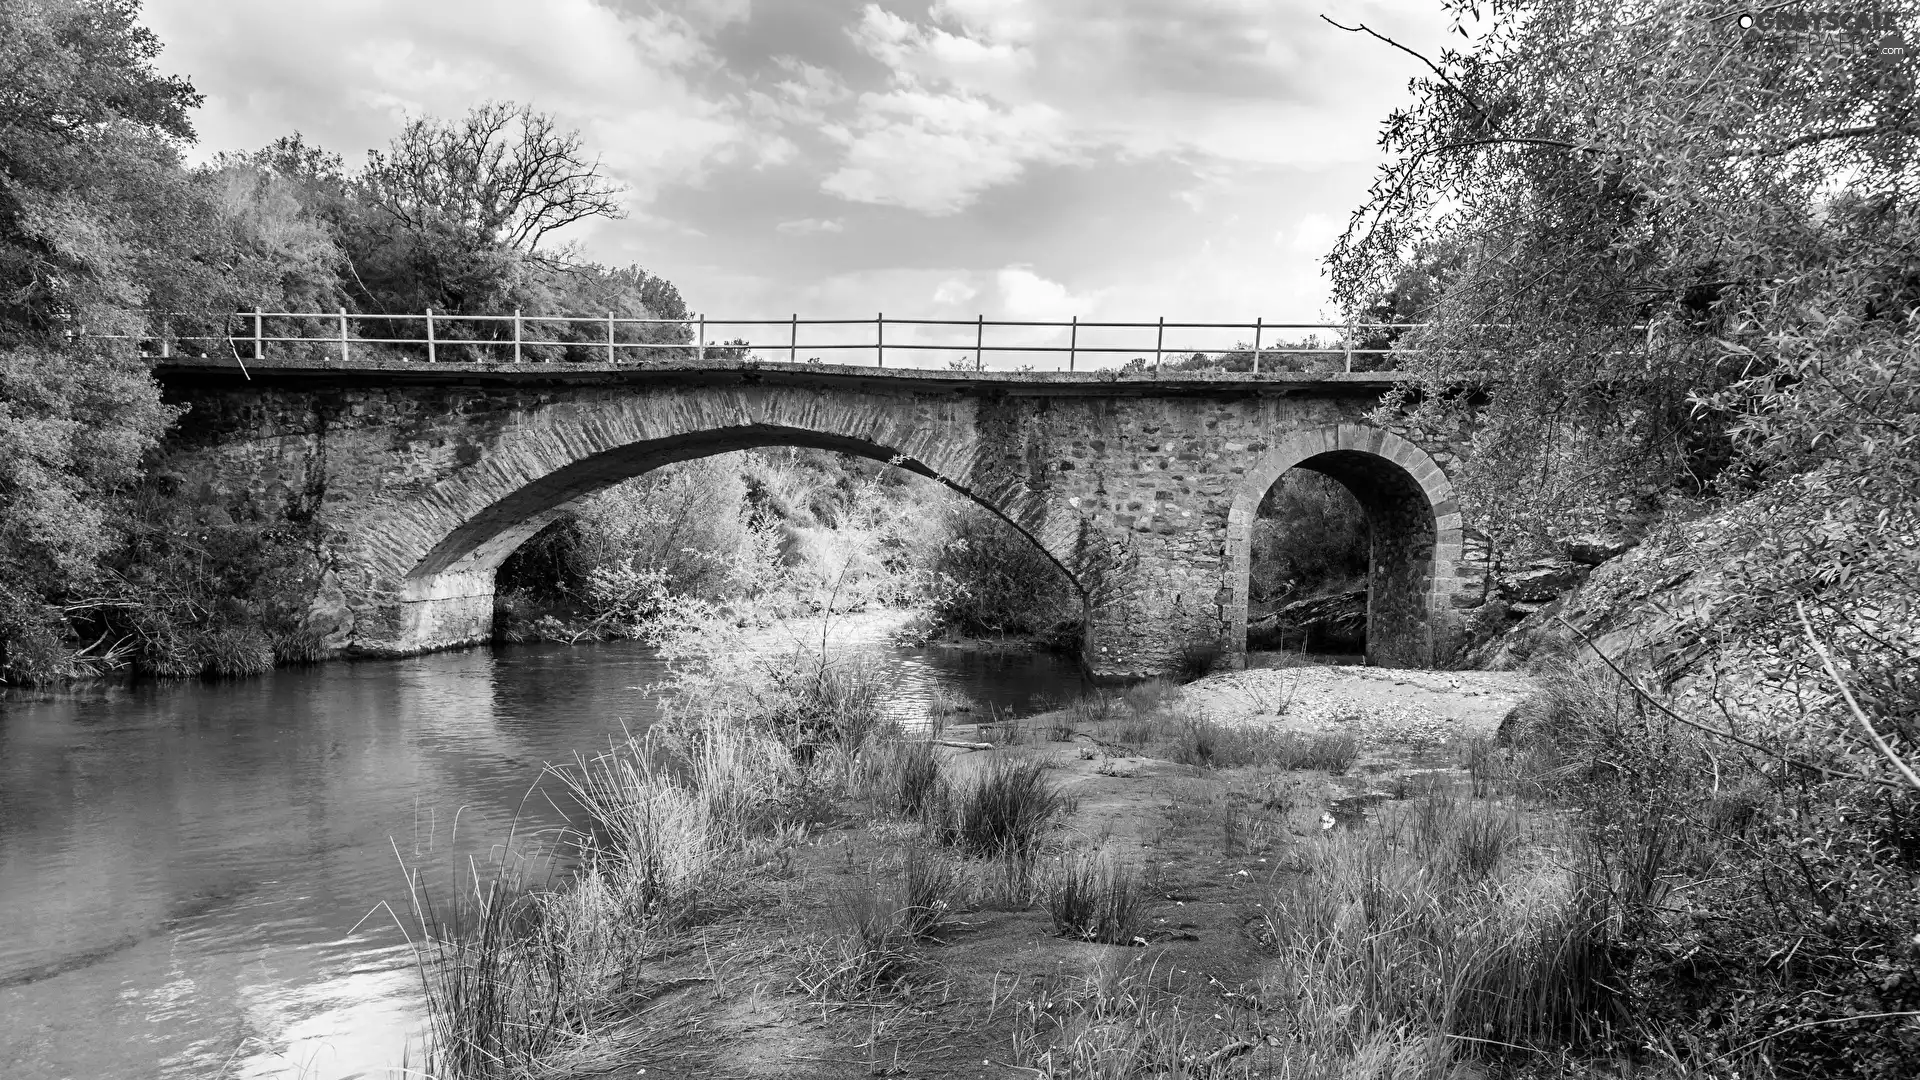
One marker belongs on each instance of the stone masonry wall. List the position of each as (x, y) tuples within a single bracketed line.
[(1142, 493)]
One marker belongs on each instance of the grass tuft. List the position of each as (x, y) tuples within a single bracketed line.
[(1094, 898), (1007, 809)]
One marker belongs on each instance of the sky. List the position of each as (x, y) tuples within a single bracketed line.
[(1115, 160)]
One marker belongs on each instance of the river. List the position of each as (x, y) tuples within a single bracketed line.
[(192, 875)]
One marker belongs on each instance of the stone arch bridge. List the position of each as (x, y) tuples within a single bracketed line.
[(1144, 489)]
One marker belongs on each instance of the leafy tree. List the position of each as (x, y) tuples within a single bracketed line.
[(97, 220), (453, 214), (1635, 200)]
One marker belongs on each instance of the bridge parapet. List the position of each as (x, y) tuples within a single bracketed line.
[(434, 337)]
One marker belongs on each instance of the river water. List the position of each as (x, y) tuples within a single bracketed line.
[(192, 874)]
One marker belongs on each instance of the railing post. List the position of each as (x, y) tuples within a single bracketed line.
[(516, 335), (979, 335), (1348, 343), (1159, 339), (256, 333), (1257, 319), (432, 355), (343, 335), (700, 343), (880, 340), (1073, 342), (793, 340), (610, 358)]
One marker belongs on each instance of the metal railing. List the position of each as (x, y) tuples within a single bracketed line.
[(507, 337)]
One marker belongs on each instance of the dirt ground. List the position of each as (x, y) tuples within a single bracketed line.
[(734, 998)]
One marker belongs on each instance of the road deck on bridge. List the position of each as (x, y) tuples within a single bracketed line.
[(371, 372)]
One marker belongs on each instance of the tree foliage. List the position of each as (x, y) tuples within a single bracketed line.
[(461, 207), (1676, 257), (1633, 202), (1680, 256), (92, 202), (107, 239)]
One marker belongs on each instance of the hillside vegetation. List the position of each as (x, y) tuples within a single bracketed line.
[(1669, 267)]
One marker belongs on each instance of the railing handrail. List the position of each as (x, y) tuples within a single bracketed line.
[(340, 334)]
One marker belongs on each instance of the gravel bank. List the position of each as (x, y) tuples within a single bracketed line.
[(1379, 706)]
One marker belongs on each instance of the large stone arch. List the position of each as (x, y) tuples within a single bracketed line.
[(1415, 530), (438, 548)]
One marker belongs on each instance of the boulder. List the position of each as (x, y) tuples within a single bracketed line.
[(1541, 583), (1593, 550), (1333, 623)]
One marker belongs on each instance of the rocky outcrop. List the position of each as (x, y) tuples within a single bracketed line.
[(1336, 622), (1540, 582)]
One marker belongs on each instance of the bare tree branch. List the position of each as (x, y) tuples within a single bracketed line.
[(1772, 752), (1859, 715)]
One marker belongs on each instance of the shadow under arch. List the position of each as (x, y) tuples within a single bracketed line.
[(1414, 526), (463, 562)]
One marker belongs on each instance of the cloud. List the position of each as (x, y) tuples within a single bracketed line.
[(1105, 158), (809, 226), (1026, 295), (348, 73), (936, 153), (954, 291)]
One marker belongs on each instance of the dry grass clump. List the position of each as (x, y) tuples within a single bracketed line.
[(1128, 1021), (1007, 809), (1093, 897), (1213, 744), (906, 777), (871, 938), (1438, 917), (520, 977)]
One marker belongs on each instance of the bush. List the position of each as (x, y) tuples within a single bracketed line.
[(991, 579), (1310, 538), (1769, 908)]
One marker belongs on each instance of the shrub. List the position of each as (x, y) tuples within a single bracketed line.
[(992, 579), (1150, 696), (1771, 907), (1310, 537)]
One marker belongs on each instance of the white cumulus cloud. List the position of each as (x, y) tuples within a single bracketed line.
[(809, 226)]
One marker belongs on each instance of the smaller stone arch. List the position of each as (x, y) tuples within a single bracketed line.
[(1415, 524)]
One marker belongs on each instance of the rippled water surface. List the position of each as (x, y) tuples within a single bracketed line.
[(192, 875)]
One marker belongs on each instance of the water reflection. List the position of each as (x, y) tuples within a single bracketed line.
[(182, 866)]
